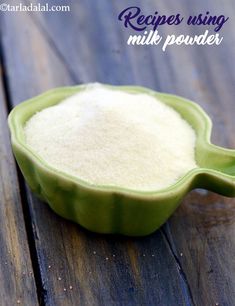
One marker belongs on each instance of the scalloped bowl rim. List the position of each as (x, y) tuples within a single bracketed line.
[(187, 179)]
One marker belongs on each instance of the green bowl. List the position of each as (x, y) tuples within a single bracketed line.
[(106, 209)]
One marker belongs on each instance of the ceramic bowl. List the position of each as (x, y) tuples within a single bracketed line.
[(105, 209)]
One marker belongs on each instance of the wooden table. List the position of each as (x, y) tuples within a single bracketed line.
[(46, 260)]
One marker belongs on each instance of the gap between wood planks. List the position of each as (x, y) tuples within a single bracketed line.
[(31, 234), (41, 292), (179, 266)]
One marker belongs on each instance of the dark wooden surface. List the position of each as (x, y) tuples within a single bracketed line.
[(49, 261)]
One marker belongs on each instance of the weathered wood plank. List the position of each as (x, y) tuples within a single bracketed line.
[(60, 49), (17, 284), (203, 227), (65, 251)]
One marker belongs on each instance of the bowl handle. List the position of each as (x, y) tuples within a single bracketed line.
[(218, 170)]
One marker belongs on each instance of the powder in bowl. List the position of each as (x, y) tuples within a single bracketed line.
[(114, 138)]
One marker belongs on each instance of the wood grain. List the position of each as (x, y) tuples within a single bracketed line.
[(190, 260), (17, 283)]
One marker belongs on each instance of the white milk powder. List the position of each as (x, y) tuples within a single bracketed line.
[(114, 138)]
